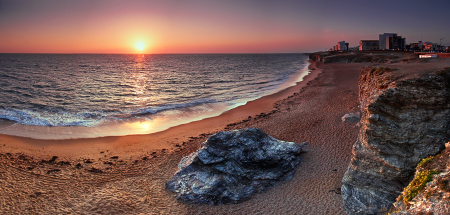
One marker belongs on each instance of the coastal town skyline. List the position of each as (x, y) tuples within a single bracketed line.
[(212, 26)]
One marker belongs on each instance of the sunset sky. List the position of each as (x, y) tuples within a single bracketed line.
[(212, 26)]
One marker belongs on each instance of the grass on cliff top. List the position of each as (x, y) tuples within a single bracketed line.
[(425, 161), (383, 80), (417, 185)]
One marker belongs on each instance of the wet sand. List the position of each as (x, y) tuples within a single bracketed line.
[(127, 174)]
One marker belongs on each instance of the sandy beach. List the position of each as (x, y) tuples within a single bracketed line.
[(102, 101), (126, 174)]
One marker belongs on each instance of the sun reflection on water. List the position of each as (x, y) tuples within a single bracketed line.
[(138, 80), (144, 125)]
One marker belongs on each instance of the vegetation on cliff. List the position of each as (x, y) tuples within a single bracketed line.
[(429, 191), (417, 185)]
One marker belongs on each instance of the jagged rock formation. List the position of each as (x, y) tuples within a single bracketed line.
[(429, 192), (231, 166), (405, 118)]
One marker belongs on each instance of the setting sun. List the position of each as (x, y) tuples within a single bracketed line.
[(140, 46)]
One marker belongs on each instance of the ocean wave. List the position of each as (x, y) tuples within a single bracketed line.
[(53, 118), (153, 110), (87, 90), (88, 118)]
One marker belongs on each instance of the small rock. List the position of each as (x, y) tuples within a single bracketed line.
[(95, 170), (53, 170), (64, 163), (351, 117), (51, 160), (38, 193)]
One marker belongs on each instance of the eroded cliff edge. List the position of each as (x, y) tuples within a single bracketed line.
[(405, 118)]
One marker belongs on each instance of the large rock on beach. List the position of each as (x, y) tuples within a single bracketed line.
[(405, 118), (231, 166)]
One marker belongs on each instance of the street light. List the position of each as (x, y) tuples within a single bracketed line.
[(440, 42)]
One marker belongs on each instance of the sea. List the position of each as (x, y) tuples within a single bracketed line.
[(64, 96)]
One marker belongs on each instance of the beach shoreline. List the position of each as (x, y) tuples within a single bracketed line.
[(83, 175), (74, 147), (137, 99)]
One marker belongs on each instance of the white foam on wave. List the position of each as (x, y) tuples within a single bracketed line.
[(126, 126), (59, 118), (90, 119)]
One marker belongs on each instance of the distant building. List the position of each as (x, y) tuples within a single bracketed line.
[(391, 41), (415, 46), (356, 48), (340, 46), (428, 46), (369, 45)]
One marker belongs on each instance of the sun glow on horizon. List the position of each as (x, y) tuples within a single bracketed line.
[(140, 46)]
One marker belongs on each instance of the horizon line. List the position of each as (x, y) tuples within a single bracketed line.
[(160, 53)]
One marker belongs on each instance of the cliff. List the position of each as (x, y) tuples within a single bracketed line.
[(405, 118), (353, 57)]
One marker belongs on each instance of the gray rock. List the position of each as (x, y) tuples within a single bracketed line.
[(351, 117), (405, 118), (231, 166)]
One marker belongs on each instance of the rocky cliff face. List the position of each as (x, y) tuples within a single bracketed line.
[(405, 118), (352, 57)]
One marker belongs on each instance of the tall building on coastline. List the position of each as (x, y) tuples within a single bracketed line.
[(340, 46), (369, 45), (391, 41)]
